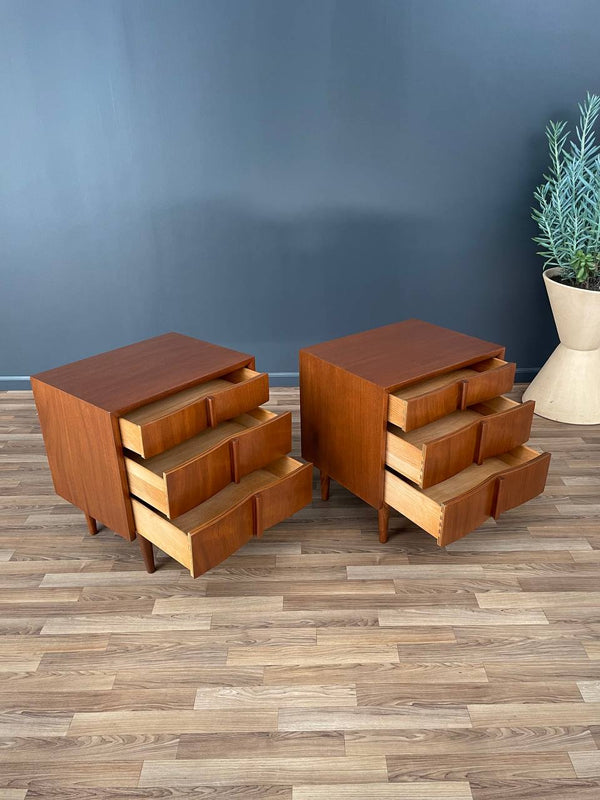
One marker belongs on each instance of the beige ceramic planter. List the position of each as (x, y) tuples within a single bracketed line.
[(567, 388)]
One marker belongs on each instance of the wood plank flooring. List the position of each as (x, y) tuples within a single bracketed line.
[(316, 663)]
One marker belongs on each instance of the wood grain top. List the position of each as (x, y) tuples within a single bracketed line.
[(130, 376), (403, 352)]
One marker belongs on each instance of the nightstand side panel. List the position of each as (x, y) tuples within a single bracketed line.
[(83, 448), (343, 426)]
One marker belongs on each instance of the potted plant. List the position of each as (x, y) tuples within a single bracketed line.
[(567, 388)]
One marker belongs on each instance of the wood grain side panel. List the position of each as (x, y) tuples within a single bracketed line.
[(343, 426), (88, 470), (162, 533), (143, 483), (396, 413), (501, 432), (412, 503), (218, 540), (403, 457)]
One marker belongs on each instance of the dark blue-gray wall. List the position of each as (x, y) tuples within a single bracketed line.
[(271, 173)]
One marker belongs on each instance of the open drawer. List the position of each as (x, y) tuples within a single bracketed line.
[(189, 473), (421, 403), (453, 508), (163, 424), (213, 530), (430, 454)]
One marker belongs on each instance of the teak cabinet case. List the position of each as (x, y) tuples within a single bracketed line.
[(411, 416), (166, 438)]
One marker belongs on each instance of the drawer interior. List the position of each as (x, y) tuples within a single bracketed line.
[(234, 493), (174, 402), (452, 423), (210, 532), (476, 474), (426, 507), (161, 425), (201, 443), (432, 453), (448, 378), (421, 403)]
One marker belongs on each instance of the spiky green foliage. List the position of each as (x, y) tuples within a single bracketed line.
[(568, 212)]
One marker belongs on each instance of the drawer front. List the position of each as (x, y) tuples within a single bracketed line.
[(507, 490), (220, 539), (498, 379), (197, 480), (282, 499), (216, 541), (198, 469), (148, 431), (457, 506), (443, 448), (444, 457), (285, 487), (520, 484), (204, 550), (504, 431), (420, 404)]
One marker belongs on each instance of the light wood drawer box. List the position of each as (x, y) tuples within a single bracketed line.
[(458, 505), (210, 532), (165, 423), (430, 454), (189, 473), (421, 403)]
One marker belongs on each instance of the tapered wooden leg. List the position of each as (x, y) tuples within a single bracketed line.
[(383, 518), (324, 486), (92, 525), (147, 553)]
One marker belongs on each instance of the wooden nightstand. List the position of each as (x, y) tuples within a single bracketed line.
[(165, 437), (411, 416)]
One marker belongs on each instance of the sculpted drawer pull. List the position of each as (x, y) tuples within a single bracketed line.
[(234, 457), (257, 511), (496, 503), (211, 415), (481, 440), (463, 392)]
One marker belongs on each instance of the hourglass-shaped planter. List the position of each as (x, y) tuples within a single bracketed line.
[(567, 388)]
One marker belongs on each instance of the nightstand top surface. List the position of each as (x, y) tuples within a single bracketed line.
[(403, 352), (130, 376)]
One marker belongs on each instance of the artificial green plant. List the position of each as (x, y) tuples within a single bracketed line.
[(568, 212)]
